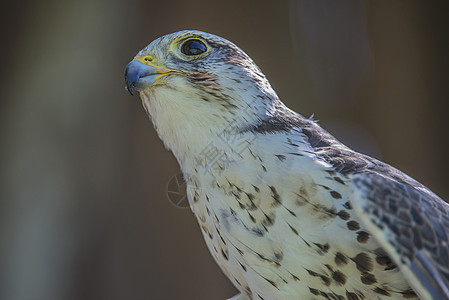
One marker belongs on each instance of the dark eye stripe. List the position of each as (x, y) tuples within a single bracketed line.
[(193, 47)]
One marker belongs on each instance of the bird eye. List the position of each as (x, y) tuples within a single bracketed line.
[(193, 47)]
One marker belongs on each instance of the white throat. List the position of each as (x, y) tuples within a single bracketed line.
[(187, 124)]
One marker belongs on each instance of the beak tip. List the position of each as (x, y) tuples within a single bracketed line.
[(130, 89), (130, 82)]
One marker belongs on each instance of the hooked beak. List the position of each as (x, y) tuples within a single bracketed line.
[(139, 75)]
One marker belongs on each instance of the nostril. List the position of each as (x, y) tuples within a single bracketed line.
[(148, 59)]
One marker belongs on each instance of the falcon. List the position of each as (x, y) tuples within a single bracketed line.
[(286, 210)]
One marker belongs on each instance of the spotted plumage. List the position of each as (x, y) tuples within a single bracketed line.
[(287, 211)]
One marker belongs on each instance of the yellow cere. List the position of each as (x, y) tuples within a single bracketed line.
[(149, 60)]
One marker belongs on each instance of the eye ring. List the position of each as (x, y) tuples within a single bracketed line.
[(193, 47)]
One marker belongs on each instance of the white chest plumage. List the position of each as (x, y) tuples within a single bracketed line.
[(278, 223)]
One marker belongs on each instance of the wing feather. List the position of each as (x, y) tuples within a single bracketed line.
[(409, 221), (412, 225)]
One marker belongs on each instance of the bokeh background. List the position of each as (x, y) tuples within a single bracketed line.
[(84, 212)]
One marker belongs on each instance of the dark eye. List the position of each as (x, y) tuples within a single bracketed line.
[(193, 47)]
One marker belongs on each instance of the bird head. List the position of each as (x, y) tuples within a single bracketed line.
[(196, 83)]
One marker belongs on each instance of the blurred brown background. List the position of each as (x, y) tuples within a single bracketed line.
[(84, 212)]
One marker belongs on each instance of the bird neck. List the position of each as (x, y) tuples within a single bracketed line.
[(184, 132), (189, 128)]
